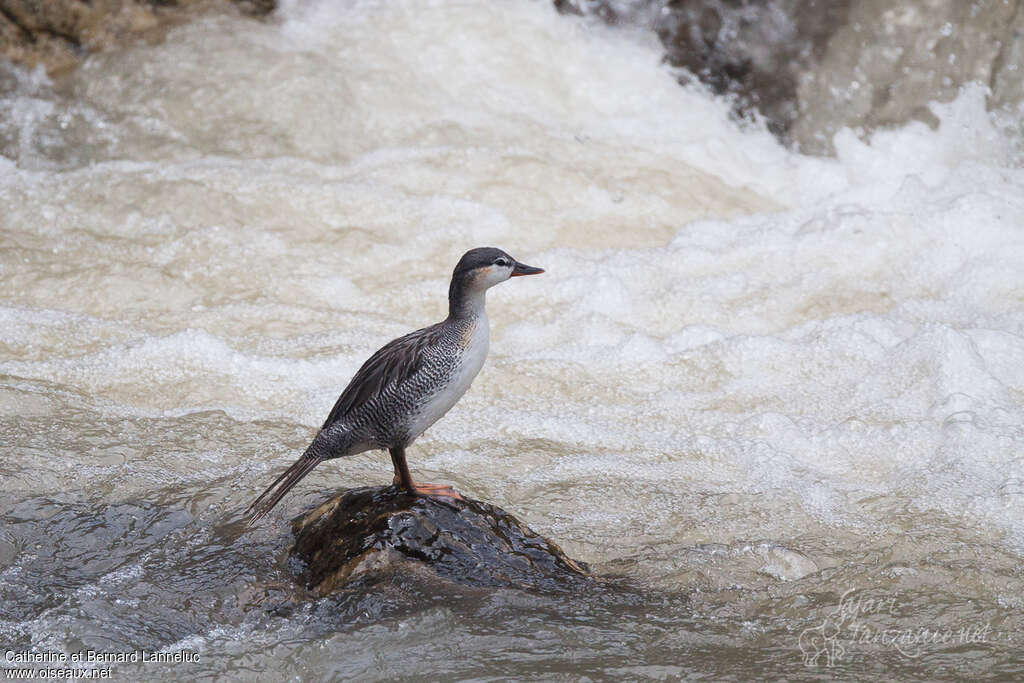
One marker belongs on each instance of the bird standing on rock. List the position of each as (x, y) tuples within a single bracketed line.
[(409, 383)]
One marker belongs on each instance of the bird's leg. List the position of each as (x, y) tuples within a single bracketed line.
[(403, 477)]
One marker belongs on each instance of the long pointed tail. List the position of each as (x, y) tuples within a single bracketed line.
[(282, 485)]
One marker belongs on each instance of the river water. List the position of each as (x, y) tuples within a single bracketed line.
[(779, 398)]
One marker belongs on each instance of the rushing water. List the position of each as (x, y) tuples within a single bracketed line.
[(773, 393)]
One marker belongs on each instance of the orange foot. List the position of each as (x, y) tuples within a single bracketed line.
[(431, 489)]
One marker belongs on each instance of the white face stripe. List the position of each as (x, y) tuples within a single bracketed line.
[(488, 276)]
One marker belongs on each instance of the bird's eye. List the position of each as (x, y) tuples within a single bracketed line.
[(502, 262)]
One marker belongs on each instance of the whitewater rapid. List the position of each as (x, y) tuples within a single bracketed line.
[(746, 373)]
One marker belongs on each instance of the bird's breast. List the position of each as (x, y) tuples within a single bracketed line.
[(473, 342)]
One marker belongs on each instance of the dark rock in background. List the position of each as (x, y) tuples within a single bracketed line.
[(58, 34), (754, 50), (889, 60), (372, 535), (811, 67)]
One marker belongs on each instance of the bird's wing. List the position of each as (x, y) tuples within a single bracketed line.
[(394, 363)]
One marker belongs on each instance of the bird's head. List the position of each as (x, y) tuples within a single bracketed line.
[(484, 267), (477, 271)]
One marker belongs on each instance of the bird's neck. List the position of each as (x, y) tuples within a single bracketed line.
[(466, 302)]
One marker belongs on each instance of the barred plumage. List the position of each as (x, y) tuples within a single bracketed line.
[(410, 383)]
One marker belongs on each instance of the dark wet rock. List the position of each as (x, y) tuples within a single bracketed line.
[(373, 535), (890, 60), (755, 51), (58, 34), (752, 50), (812, 67)]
